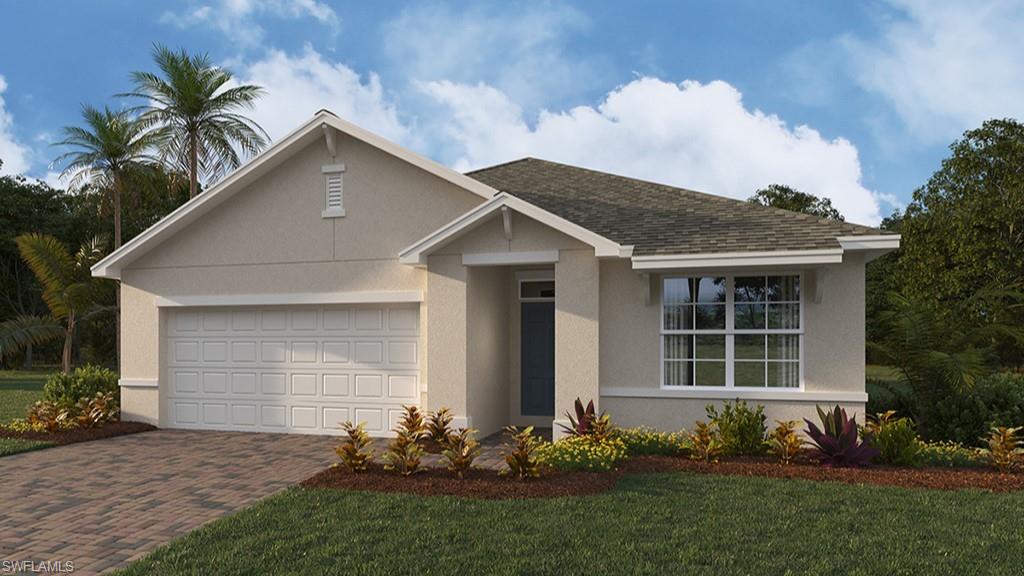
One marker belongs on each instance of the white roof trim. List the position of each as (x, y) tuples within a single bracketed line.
[(293, 298), (722, 259), (510, 258), (111, 266), (417, 253), (884, 242)]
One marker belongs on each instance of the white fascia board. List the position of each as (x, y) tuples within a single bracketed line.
[(510, 258), (110, 267), (738, 259), (416, 254), (885, 242), (283, 299), (794, 395)]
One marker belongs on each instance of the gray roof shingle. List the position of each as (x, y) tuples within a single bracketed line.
[(660, 219)]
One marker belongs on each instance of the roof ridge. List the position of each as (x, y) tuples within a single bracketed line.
[(501, 164)]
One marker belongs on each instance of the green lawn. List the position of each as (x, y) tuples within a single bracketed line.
[(9, 446), (650, 524), (18, 391)]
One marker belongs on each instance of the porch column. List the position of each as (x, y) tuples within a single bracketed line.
[(577, 278), (446, 336)]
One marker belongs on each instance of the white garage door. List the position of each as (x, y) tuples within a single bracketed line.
[(297, 369)]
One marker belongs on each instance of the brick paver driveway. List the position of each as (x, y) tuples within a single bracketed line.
[(101, 504)]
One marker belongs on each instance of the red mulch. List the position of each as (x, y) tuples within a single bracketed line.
[(487, 484), (81, 434)]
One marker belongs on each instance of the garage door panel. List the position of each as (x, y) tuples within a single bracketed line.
[(301, 369)]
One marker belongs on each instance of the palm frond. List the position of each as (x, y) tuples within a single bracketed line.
[(53, 266), (18, 333)]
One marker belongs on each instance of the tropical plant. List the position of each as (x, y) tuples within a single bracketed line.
[(586, 421), (96, 411), (461, 451), (354, 450), (196, 114), (412, 423), (1004, 447), (69, 290), (439, 426), (521, 453), (583, 453), (837, 441), (67, 388), (895, 438), (49, 417), (647, 441), (404, 452), (785, 441), (741, 430), (704, 443)]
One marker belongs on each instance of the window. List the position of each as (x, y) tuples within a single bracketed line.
[(536, 290), (334, 201), (731, 331)]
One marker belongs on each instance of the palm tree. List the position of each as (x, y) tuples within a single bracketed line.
[(110, 147), (69, 290), (196, 114)]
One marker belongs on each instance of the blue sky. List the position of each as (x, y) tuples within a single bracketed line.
[(857, 101)]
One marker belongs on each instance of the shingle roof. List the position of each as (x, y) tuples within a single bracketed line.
[(660, 219)]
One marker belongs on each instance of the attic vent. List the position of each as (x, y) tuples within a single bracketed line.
[(335, 191)]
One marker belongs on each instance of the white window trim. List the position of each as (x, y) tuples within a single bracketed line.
[(328, 171), (729, 332)]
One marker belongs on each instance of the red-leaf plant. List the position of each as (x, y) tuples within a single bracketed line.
[(839, 445)]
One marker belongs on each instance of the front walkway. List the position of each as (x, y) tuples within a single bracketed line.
[(101, 504)]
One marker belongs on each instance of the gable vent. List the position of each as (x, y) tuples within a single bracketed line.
[(335, 197)]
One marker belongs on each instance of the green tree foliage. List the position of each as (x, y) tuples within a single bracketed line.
[(788, 198)]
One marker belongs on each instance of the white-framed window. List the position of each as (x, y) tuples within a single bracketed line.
[(334, 188), (732, 331)]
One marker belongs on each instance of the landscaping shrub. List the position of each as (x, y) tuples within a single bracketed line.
[(404, 452), (837, 441), (462, 450), (586, 422), (521, 453), (966, 417), (895, 438), (950, 455), (785, 441), (96, 411), (353, 451), (439, 426), (87, 381), (741, 430), (1004, 446), (886, 395), (588, 453), (44, 416), (645, 441), (704, 443)]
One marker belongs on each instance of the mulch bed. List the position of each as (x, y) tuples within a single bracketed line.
[(487, 484), (81, 434)]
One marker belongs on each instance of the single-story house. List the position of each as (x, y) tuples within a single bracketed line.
[(338, 276)]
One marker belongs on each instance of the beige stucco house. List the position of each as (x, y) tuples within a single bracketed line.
[(338, 276)]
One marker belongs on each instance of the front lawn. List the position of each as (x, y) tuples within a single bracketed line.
[(9, 446), (18, 391), (649, 524)]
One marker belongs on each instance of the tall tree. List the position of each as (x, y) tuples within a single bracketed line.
[(105, 152), (196, 114), (71, 294), (789, 198)]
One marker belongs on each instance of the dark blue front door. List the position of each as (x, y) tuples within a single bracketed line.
[(538, 361)]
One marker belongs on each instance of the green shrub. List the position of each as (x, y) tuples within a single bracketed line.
[(785, 441), (704, 443), (950, 455), (996, 400), (582, 453), (84, 382), (741, 431), (886, 395), (895, 438), (645, 441)]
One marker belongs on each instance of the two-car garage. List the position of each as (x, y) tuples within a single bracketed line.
[(297, 369)]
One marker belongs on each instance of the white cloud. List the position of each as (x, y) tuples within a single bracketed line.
[(237, 18), (297, 86), (15, 156), (693, 135), (945, 66), (521, 50)]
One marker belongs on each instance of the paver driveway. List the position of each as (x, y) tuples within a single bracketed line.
[(101, 504)]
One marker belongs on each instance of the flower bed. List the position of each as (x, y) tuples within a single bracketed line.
[(73, 435)]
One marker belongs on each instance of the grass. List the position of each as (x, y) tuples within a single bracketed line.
[(879, 372), (650, 524), (19, 390), (10, 446)]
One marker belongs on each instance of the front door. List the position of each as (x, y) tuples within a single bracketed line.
[(538, 361)]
